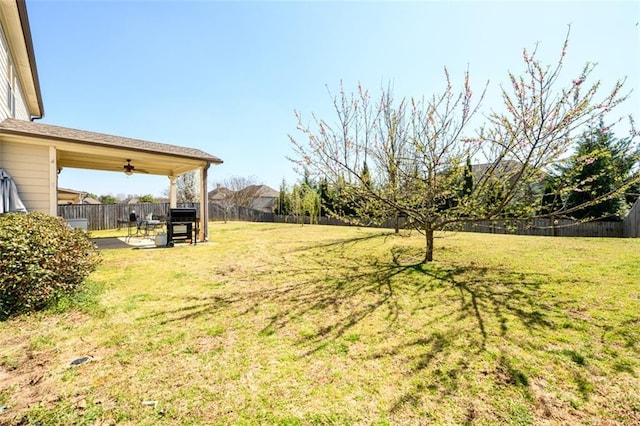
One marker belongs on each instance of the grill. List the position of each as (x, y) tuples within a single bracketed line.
[(182, 225)]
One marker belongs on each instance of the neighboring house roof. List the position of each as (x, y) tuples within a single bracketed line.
[(265, 198), (503, 167), (71, 191), (90, 200), (258, 197), (87, 200), (261, 191), (504, 171), (220, 193), (71, 196), (15, 22), (264, 203), (253, 191)]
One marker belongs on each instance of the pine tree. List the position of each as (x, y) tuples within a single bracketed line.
[(326, 200), (284, 200), (598, 167), (467, 187)]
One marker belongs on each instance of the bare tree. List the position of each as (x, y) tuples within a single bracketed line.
[(409, 158), (187, 188), (234, 192)]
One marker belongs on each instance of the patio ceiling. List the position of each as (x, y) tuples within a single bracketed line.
[(113, 160)]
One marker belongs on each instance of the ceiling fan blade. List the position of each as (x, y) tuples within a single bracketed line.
[(130, 168)]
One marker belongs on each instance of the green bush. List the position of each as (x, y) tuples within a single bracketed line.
[(41, 259)]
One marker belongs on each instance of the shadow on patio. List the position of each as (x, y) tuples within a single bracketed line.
[(109, 243)]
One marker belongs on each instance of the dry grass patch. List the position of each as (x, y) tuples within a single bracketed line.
[(289, 324)]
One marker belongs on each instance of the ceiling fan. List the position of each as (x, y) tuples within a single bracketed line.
[(130, 168)]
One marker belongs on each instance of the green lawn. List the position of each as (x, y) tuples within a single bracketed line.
[(305, 325)]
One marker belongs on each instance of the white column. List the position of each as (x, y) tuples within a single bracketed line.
[(204, 204), (173, 192), (53, 181)]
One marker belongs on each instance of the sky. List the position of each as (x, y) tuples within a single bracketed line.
[(226, 77)]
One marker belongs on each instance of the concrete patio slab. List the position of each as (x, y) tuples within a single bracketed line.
[(123, 242)]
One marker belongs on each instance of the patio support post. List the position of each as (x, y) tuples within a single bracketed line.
[(53, 182), (204, 204), (173, 192)]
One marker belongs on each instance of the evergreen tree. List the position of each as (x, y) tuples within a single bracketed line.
[(306, 181), (467, 186), (599, 166), (284, 200), (366, 176), (326, 199), (297, 208), (107, 199), (551, 200), (146, 198)]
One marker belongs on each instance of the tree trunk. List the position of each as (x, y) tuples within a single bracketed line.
[(428, 256), (397, 224)]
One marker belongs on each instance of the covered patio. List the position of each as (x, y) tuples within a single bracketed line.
[(71, 148)]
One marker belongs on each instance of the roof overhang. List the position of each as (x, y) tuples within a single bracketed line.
[(97, 151), (14, 19)]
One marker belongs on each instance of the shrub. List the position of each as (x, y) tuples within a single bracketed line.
[(41, 259)]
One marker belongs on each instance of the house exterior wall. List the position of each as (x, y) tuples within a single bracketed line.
[(12, 100), (30, 167)]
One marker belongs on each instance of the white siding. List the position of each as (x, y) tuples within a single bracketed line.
[(4, 78), (8, 75), (21, 113), (29, 166)]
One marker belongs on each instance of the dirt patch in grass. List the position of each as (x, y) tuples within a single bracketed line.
[(34, 362)]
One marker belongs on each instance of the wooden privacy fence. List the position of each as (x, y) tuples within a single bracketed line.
[(547, 227), (106, 216), (632, 222)]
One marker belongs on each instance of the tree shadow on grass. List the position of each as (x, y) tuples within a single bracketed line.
[(337, 280), (300, 295), (467, 306)]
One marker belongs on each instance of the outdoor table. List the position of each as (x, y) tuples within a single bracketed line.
[(150, 226), (131, 225)]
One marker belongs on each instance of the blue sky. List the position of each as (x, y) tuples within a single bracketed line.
[(225, 77)]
